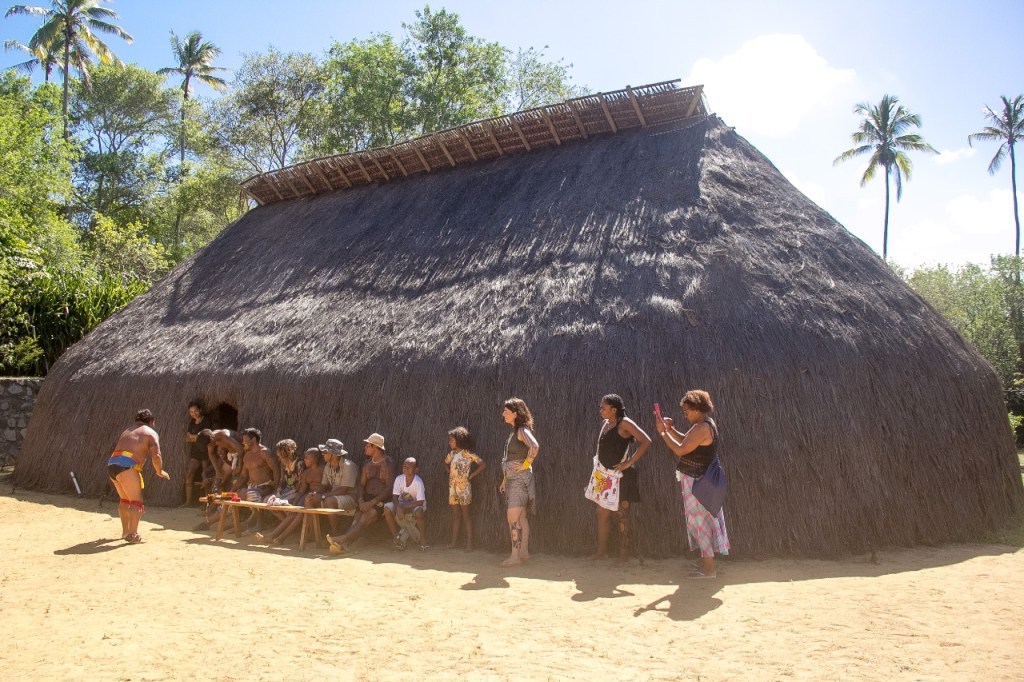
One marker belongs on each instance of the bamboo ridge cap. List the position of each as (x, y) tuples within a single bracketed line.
[(579, 118)]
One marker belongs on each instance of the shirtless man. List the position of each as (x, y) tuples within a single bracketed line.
[(225, 454), (125, 470), (375, 482), (260, 472), (224, 451)]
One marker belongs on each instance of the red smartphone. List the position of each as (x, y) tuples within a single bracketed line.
[(657, 410)]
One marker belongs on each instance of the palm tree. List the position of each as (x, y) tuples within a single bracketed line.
[(45, 56), (883, 135), (1007, 127), (194, 58), (72, 25)]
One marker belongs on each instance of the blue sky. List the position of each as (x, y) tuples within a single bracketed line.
[(786, 74)]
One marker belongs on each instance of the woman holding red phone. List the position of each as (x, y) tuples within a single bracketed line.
[(695, 451)]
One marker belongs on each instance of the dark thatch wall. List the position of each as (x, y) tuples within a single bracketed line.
[(645, 264)]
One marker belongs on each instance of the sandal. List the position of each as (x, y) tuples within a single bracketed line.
[(335, 547), (698, 573), (133, 539)]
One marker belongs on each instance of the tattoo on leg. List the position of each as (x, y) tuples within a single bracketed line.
[(622, 516), (517, 535)]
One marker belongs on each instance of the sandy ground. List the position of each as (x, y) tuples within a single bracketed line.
[(77, 604)]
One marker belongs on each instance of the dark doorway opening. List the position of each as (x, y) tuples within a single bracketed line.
[(225, 416)]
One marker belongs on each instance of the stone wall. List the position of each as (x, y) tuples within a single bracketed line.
[(17, 397)]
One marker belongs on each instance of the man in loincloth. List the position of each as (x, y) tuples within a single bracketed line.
[(260, 472), (375, 482), (125, 470)]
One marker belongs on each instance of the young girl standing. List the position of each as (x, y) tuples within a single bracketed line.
[(461, 471)]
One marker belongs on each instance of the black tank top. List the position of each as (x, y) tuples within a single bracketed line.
[(515, 449), (697, 462), (611, 448)]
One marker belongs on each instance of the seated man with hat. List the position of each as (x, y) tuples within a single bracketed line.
[(338, 485), (375, 482)]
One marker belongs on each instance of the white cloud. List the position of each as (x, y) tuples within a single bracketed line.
[(987, 214), (770, 85), (950, 155), (968, 228)]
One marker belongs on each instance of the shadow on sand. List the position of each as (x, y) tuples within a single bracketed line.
[(684, 599), (93, 547)]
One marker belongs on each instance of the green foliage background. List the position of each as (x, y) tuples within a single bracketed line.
[(148, 176)]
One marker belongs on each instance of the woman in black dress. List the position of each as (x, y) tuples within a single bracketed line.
[(617, 432)]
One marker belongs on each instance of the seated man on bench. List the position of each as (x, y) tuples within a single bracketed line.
[(375, 482), (338, 483), (260, 473)]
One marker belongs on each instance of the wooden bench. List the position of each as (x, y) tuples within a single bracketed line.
[(310, 516)]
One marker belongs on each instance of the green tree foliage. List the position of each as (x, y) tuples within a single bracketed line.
[(125, 254), (260, 121), (381, 91), (146, 174), (533, 82), (124, 122), (71, 26), (195, 209), (34, 170), (365, 102), (1005, 127), (54, 285), (456, 78), (883, 136), (984, 305), (977, 302), (58, 308)]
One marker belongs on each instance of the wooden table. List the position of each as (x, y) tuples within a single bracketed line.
[(310, 515)]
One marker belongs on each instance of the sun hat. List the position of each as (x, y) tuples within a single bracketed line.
[(335, 447), (376, 439)]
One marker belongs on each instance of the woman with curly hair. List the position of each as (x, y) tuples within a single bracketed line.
[(521, 450)]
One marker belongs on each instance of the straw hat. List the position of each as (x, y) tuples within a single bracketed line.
[(376, 439)]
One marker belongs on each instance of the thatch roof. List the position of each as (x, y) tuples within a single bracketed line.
[(643, 263)]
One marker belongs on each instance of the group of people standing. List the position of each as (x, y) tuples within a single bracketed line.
[(326, 477)]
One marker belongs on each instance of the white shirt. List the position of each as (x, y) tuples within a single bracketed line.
[(414, 494)]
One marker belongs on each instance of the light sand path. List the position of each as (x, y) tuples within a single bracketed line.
[(231, 611)]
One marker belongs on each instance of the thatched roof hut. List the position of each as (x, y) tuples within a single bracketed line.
[(659, 258)]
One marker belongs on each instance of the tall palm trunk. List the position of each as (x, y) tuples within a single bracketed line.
[(1013, 184), (67, 71), (885, 230), (181, 168), (184, 105)]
